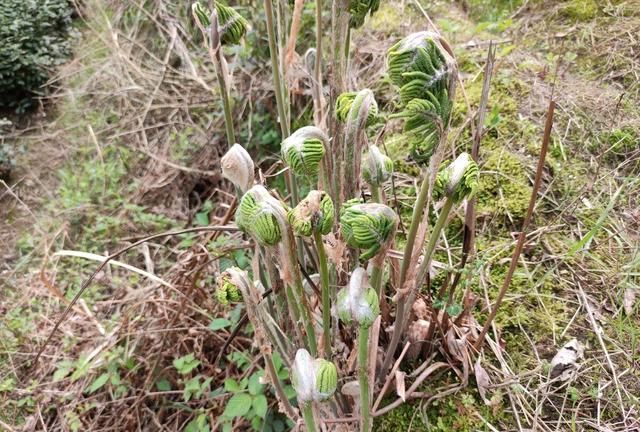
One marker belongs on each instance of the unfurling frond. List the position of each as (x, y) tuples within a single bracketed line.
[(368, 227), (358, 302), (314, 213), (304, 150)]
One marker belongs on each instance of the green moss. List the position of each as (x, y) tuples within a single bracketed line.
[(581, 10), (402, 419), (504, 186), (389, 19), (621, 142), (492, 10)]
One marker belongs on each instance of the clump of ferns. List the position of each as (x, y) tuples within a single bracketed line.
[(345, 230)]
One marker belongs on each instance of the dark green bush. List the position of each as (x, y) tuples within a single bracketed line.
[(34, 37)]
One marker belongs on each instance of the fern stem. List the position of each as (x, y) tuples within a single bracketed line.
[(363, 378)]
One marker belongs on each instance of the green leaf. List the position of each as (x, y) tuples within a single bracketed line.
[(186, 364), (163, 385), (7, 385), (231, 385), (97, 384), (238, 405), (202, 218), (82, 368), (191, 387), (454, 310), (219, 323), (63, 370), (255, 387), (198, 424), (261, 405), (290, 392)]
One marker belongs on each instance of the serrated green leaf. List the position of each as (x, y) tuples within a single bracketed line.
[(238, 405), (186, 364)]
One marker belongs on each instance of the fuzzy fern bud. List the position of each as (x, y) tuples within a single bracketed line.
[(368, 227), (313, 379), (227, 290), (459, 180), (304, 150), (358, 302), (315, 213), (377, 167), (238, 168), (359, 10), (345, 102), (258, 214), (231, 25)]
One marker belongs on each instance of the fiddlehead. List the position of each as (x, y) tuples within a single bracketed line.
[(425, 74), (304, 149), (315, 213), (238, 168), (368, 227), (377, 167)]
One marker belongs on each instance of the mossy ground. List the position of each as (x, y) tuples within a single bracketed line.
[(541, 311)]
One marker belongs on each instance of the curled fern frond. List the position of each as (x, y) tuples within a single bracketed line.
[(256, 216), (231, 25), (368, 227), (200, 14), (345, 102), (304, 150), (358, 302), (424, 123), (326, 379), (227, 291), (237, 167), (377, 167), (313, 379), (459, 180), (315, 213), (359, 10), (425, 73), (419, 56)]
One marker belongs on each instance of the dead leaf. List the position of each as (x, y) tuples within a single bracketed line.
[(629, 300), (567, 360), (335, 250), (483, 380)]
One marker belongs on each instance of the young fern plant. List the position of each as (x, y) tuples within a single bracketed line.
[(350, 248), (313, 217), (314, 380), (223, 25), (359, 303)]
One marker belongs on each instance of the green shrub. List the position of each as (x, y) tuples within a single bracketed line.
[(34, 37)]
